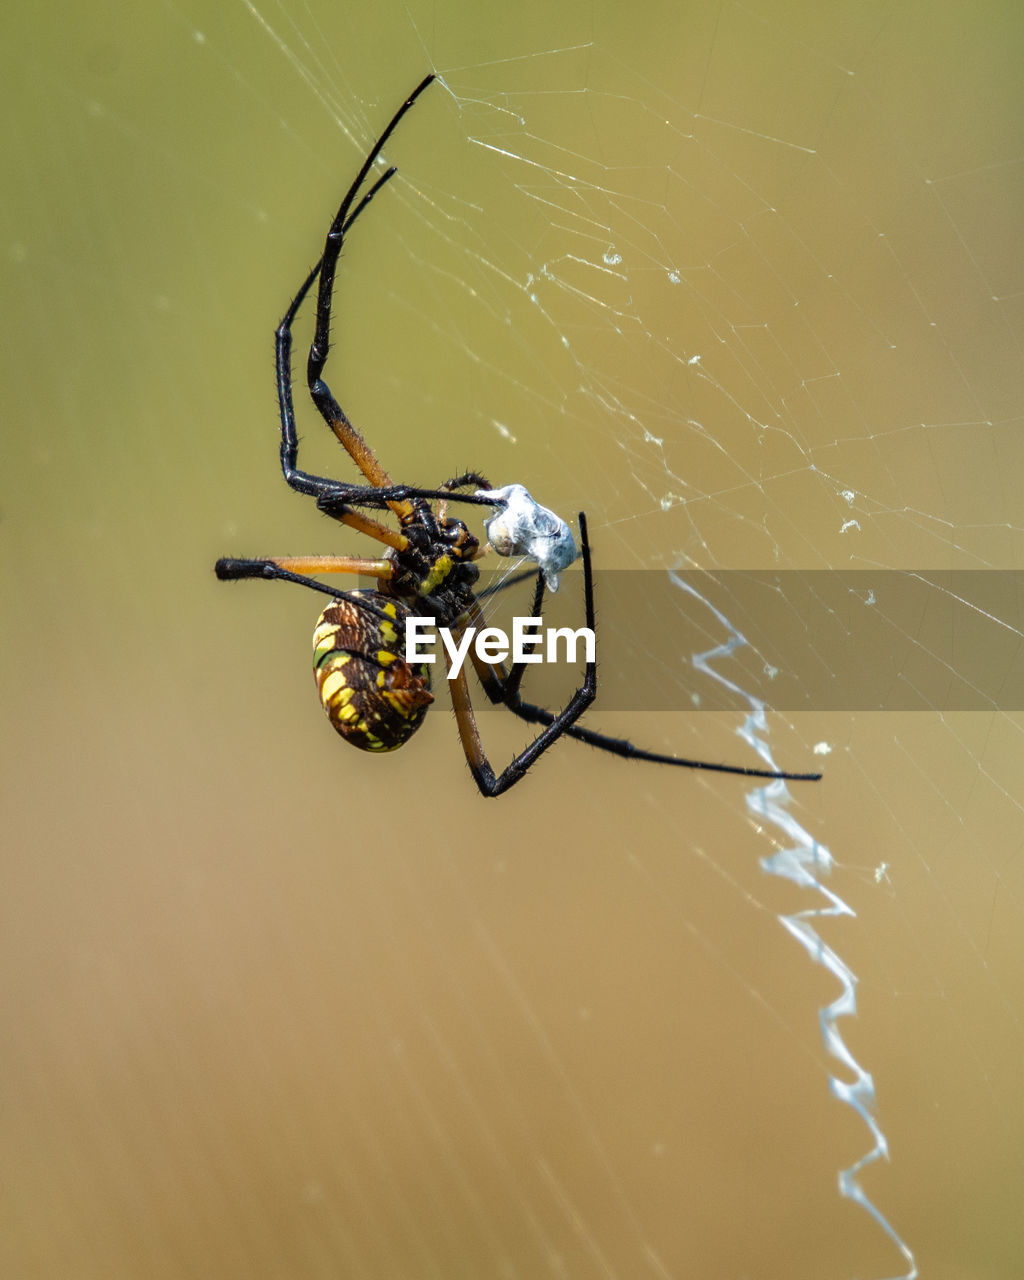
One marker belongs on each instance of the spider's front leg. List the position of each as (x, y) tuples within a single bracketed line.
[(350, 209), (336, 499)]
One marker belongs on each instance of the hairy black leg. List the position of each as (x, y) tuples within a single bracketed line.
[(335, 497), (228, 570), (335, 237), (304, 482), (320, 346), (504, 689)]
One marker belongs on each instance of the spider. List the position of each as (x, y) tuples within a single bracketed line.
[(372, 695)]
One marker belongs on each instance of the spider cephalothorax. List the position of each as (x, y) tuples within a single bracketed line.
[(374, 697), (437, 567)]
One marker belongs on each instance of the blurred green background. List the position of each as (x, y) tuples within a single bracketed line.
[(271, 1007)]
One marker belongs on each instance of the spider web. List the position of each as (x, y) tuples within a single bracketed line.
[(744, 284)]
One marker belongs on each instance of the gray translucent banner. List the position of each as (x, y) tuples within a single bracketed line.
[(860, 640)]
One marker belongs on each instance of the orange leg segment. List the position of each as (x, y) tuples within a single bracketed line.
[(374, 529), (364, 457), (310, 565)]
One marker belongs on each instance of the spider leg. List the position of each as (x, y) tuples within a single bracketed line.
[(466, 480), (503, 688), (505, 583), (302, 481), (484, 775), (227, 568), (335, 236), (335, 497), (372, 528), (623, 747), (329, 409), (275, 570), (298, 568)]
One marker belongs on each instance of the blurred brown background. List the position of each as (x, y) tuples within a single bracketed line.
[(272, 1008)]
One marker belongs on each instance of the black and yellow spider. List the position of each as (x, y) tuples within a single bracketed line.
[(374, 698)]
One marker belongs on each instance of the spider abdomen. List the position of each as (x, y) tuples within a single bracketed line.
[(373, 697)]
